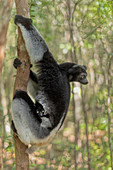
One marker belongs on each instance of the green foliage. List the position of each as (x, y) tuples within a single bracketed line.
[(92, 35)]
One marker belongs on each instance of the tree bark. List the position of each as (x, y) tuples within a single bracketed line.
[(5, 10), (1, 165), (22, 159)]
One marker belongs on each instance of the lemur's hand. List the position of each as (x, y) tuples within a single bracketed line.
[(17, 63)]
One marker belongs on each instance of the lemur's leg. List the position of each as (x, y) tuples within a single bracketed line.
[(31, 127), (34, 42), (32, 89)]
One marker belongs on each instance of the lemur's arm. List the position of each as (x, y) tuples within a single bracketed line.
[(33, 75), (33, 81)]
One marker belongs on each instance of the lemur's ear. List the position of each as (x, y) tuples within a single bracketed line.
[(77, 68), (85, 67)]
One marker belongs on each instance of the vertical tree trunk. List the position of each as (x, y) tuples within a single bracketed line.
[(73, 59), (86, 123), (1, 154), (5, 10), (22, 159), (109, 86)]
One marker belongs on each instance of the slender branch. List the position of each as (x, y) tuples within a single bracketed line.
[(75, 127), (75, 5), (22, 159), (109, 111), (70, 23), (5, 10), (86, 122), (90, 33), (74, 59), (1, 154), (112, 7)]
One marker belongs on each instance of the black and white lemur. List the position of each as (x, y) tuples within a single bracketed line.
[(36, 123)]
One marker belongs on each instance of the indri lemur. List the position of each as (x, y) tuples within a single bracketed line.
[(36, 123)]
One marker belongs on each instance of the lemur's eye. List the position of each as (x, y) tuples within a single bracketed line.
[(82, 77)]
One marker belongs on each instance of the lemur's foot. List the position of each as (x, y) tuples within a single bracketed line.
[(22, 20), (31, 149), (17, 63), (40, 113), (39, 109)]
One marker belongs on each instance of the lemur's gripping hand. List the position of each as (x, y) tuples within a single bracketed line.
[(78, 73), (17, 63)]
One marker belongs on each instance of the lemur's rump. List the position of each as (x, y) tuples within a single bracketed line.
[(37, 123)]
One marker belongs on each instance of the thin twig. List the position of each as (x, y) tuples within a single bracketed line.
[(109, 111), (90, 33), (75, 127), (75, 5), (86, 122)]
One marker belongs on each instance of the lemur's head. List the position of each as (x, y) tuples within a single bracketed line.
[(26, 22), (78, 73)]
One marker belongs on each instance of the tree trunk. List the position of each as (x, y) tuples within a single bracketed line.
[(5, 10), (1, 165), (22, 159)]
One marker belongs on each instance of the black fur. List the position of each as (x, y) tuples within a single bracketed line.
[(34, 107), (24, 21), (52, 82)]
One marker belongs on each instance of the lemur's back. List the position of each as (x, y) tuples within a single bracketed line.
[(54, 89)]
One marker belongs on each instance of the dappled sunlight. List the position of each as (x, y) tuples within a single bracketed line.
[(80, 32)]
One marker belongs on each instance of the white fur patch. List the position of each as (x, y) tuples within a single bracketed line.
[(32, 88), (43, 100), (22, 121), (34, 42), (19, 116)]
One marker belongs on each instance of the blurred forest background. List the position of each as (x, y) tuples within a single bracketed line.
[(80, 31)]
